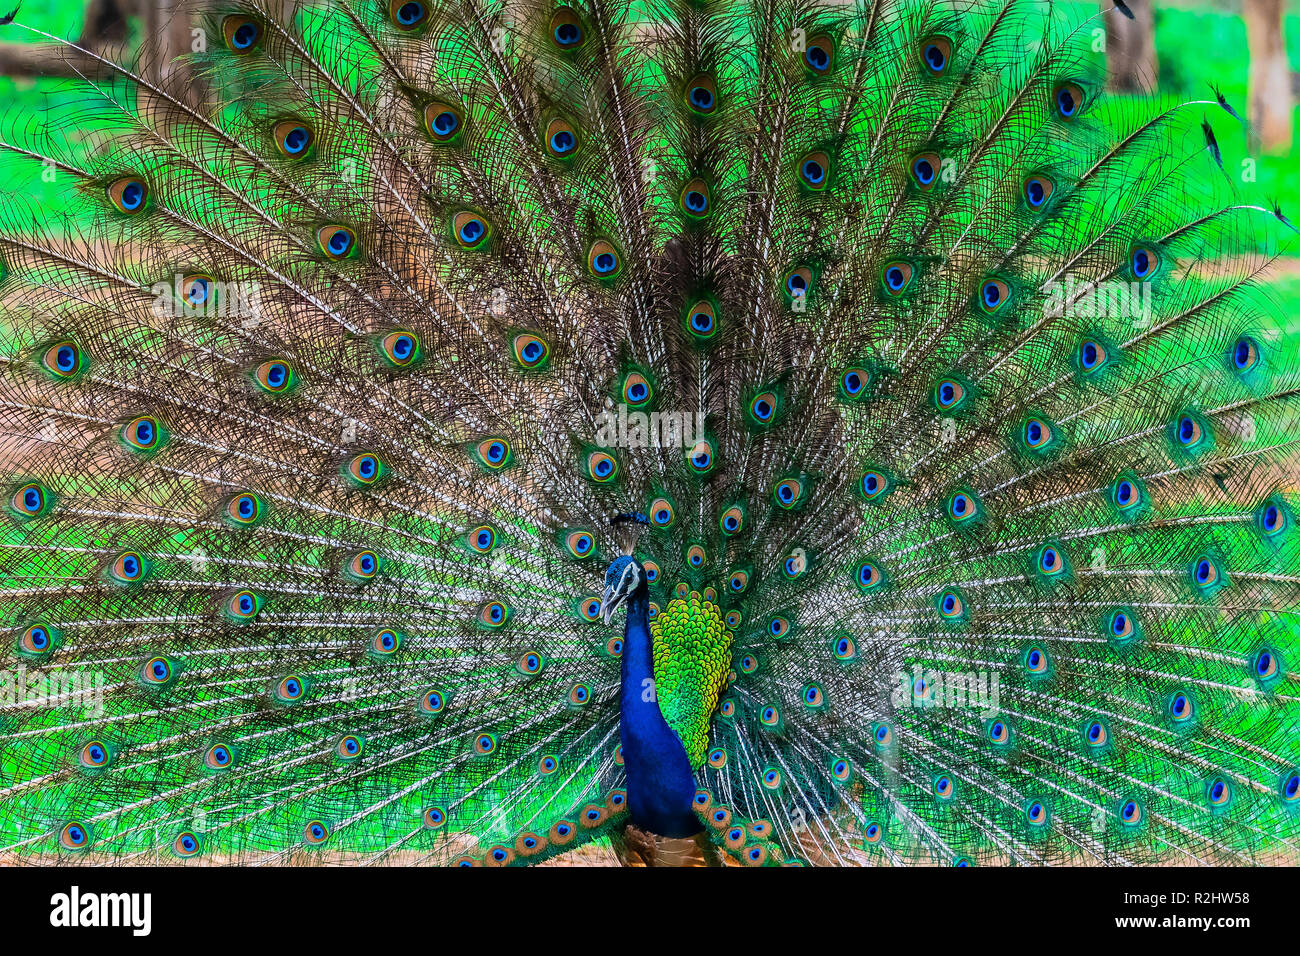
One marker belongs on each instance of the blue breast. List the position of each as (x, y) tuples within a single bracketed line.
[(660, 782)]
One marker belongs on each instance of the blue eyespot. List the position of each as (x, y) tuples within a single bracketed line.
[(1038, 189), (1144, 262), (563, 142), (1069, 100), (292, 138), (1092, 355), (410, 14), (1245, 354)]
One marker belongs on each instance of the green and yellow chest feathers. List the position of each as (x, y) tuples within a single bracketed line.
[(692, 656)]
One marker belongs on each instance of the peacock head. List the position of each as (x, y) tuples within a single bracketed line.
[(623, 578)]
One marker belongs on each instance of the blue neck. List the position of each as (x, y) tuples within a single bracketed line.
[(660, 783)]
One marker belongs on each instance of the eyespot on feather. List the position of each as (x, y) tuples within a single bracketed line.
[(443, 122), (242, 34), (293, 138)]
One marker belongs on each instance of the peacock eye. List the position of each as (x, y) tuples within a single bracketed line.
[(244, 509), (999, 732), (243, 606), (580, 544), (128, 194), (815, 171), (788, 493), (1095, 734), (819, 55), (1092, 355), (873, 485), (435, 817), (293, 138), (442, 121), (157, 671), (936, 54), (702, 320), (897, 276), (1038, 190), (949, 394), (493, 453), (637, 390), (603, 260), (566, 30), (385, 642), (1121, 626), (700, 457), (470, 230), (129, 567), (868, 576), (1037, 434), (275, 376), (1188, 431), (924, 169), (407, 14), (290, 689), (493, 614), (854, 383), (1068, 100), (365, 469), (315, 832), (1205, 572), (950, 605), (560, 138), (242, 34), (400, 348), (1272, 518), (601, 466), (64, 360), (694, 199), (798, 282), (337, 242), (74, 836), (144, 434), (702, 94), (1037, 661), (530, 351), (732, 520), (1245, 354), (38, 640), (1144, 261), (994, 294)]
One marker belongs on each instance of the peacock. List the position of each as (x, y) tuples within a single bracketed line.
[(726, 432)]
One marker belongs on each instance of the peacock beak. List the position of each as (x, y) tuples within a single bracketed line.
[(609, 603)]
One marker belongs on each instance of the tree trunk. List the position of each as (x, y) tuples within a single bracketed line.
[(103, 33), (1131, 47), (1270, 77)]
